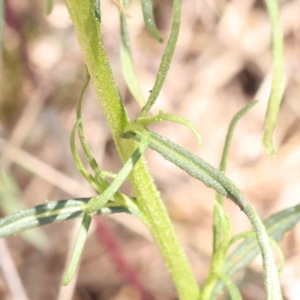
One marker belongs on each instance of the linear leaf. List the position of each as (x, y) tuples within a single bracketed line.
[(50, 212), (128, 68), (277, 225), (224, 159), (230, 132), (201, 170), (277, 79), (11, 201), (221, 222), (149, 20), (49, 6), (99, 201), (79, 245), (166, 59)]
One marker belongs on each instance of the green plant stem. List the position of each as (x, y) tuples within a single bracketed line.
[(211, 177), (97, 202), (148, 199)]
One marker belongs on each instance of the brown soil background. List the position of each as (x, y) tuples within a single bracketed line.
[(222, 62)]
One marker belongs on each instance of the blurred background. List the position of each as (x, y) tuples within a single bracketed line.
[(222, 62)]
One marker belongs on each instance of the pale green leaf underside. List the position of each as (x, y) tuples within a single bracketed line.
[(50, 212)]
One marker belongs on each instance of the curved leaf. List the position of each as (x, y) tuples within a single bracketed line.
[(277, 225), (149, 19), (200, 169), (221, 222)]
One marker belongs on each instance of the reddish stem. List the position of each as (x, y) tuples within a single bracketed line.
[(107, 238)]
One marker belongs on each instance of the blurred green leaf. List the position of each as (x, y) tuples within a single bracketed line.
[(98, 10), (231, 287), (11, 201), (127, 60), (277, 225), (49, 4), (277, 77), (213, 178), (149, 19), (221, 222)]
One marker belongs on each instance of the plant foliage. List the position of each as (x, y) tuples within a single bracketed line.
[(133, 138)]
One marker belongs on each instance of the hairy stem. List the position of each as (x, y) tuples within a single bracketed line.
[(82, 13)]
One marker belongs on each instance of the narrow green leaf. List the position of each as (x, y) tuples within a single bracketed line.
[(277, 79), (97, 180), (97, 10), (231, 287), (281, 257), (242, 235), (99, 201), (84, 144), (224, 231), (49, 4), (149, 19), (221, 222), (275, 245), (199, 169), (77, 160), (182, 158), (80, 242), (230, 133), (128, 68), (51, 212), (166, 59), (277, 225), (223, 164), (161, 116), (96, 203), (11, 201)]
